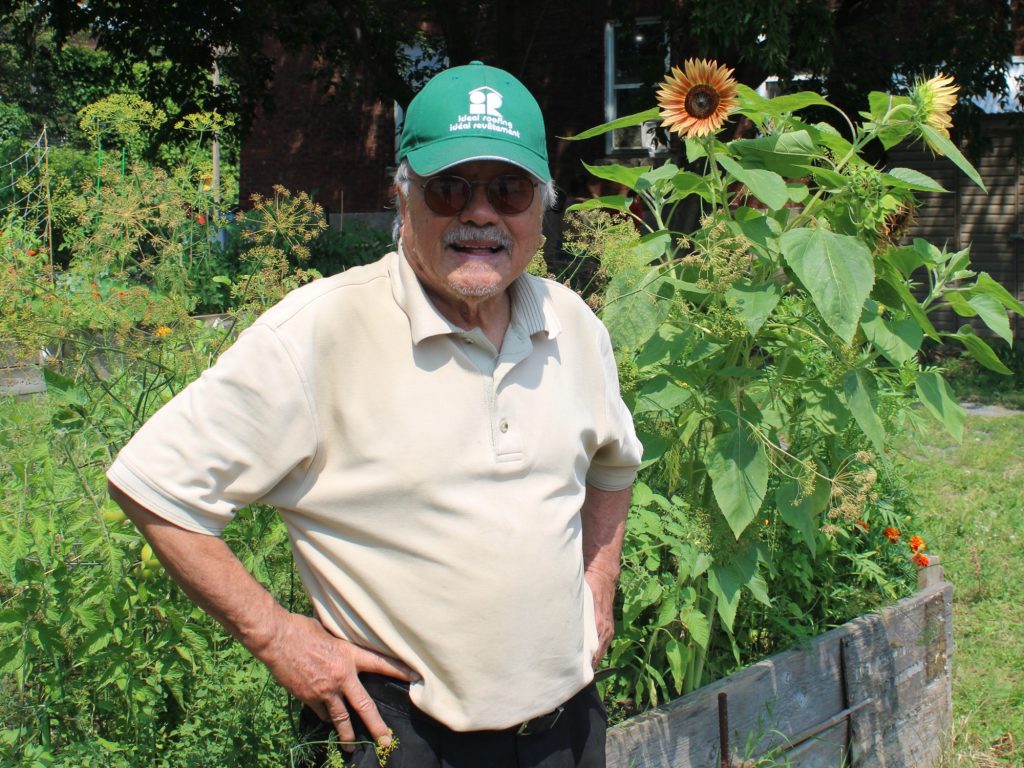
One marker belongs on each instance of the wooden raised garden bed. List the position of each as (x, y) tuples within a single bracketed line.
[(876, 691)]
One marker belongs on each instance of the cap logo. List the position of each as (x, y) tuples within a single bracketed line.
[(483, 114), (484, 101)]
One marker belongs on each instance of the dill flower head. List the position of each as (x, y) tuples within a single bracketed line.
[(162, 331), (696, 99), (933, 100)]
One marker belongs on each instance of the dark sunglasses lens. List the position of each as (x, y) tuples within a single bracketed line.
[(510, 194), (446, 195)]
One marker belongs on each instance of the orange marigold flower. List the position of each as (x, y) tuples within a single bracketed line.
[(920, 559), (31, 251), (162, 331), (916, 544), (892, 534), (862, 525), (696, 99)]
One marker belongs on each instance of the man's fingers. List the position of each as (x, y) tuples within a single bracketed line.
[(339, 717), (363, 707), (369, 661)]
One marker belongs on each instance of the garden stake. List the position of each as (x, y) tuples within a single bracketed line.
[(723, 729)]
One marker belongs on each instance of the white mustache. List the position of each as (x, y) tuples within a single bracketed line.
[(464, 233)]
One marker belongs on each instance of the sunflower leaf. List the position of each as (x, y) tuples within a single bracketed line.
[(628, 121)]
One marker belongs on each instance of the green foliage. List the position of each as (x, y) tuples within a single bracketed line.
[(770, 358), (102, 660)]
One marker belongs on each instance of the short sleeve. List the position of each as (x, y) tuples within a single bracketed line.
[(615, 463), (226, 440)]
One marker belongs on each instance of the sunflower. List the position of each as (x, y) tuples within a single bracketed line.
[(696, 100), (934, 99)]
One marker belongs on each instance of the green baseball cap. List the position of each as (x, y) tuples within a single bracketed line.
[(474, 112)]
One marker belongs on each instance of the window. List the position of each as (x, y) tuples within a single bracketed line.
[(636, 59)]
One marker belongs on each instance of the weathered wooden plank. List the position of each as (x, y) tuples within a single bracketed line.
[(897, 669), (902, 662)]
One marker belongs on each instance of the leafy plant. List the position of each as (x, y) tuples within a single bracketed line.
[(770, 357)]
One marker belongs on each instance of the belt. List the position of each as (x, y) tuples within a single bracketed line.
[(395, 694)]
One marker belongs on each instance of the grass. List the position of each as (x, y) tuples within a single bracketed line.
[(972, 508)]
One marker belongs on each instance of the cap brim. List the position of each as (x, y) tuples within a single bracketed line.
[(441, 155)]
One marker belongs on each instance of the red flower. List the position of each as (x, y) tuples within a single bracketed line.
[(31, 251), (121, 294), (916, 544), (96, 296), (920, 559), (892, 534), (862, 525), (201, 219)]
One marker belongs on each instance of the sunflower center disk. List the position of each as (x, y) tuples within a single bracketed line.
[(702, 101)]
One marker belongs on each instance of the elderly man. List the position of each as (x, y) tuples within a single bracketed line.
[(444, 438)]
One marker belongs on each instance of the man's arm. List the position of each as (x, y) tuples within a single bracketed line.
[(316, 667), (604, 525)]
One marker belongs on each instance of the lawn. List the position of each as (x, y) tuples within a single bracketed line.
[(972, 512)]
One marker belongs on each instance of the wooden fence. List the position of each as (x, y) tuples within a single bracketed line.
[(876, 693)]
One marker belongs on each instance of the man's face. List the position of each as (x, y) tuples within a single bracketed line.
[(473, 255)]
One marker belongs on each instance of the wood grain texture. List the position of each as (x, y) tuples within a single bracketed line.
[(893, 669)]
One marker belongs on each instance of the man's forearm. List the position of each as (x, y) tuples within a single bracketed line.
[(209, 573), (604, 526)]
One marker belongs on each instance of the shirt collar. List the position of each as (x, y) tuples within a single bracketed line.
[(532, 309)]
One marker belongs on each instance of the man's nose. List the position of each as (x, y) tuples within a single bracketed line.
[(478, 210)]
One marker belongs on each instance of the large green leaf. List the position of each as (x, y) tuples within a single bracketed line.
[(978, 349), (738, 467), (766, 186), (638, 118), (615, 202), (620, 174), (687, 183), (908, 178), (939, 400), (661, 394), (787, 154), (836, 270), (633, 308), (753, 303), (898, 340), (653, 246), (913, 308), (728, 576), (803, 510), (992, 313), (986, 285), (858, 387), (824, 409), (944, 146), (696, 624)]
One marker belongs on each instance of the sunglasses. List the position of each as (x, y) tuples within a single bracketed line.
[(449, 195)]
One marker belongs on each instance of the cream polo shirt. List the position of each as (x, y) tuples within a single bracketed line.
[(430, 486)]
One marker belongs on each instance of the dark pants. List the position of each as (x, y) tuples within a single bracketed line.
[(573, 739)]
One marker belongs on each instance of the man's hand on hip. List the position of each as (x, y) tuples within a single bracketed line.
[(313, 665), (322, 670)]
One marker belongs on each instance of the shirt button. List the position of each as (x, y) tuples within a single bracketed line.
[(503, 425)]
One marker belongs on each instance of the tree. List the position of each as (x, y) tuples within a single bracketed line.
[(844, 47)]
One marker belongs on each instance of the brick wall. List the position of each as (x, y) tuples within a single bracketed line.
[(317, 137)]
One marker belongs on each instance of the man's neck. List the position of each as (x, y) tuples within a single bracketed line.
[(491, 314)]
